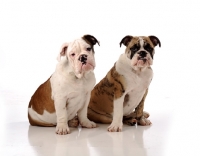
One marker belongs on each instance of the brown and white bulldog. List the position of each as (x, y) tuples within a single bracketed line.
[(66, 94), (119, 97)]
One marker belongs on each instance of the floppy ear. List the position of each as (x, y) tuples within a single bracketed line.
[(90, 39), (62, 51), (155, 40), (126, 40)]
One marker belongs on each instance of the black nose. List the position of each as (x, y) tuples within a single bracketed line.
[(83, 58), (143, 53)]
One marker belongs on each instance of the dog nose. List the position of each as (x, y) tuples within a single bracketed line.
[(83, 58), (143, 53)]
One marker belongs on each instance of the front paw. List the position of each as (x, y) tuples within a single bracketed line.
[(62, 129), (115, 127), (88, 124), (144, 121)]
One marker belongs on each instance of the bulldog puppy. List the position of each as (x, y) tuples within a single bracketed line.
[(67, 92), (119, 97)]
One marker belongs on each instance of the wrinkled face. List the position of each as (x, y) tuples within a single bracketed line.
[(79, 55), (140, 51)]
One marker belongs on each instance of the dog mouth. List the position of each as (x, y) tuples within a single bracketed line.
[(143, 59), (86, 66)]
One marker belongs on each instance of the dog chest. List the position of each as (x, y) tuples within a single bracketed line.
[(132, 100), (136, 87)]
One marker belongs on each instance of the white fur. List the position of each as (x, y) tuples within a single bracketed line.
[(46, 117), (137, 81), (71, 84)]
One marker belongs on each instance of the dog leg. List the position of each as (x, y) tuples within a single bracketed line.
[(61, 113), (99, 117), (116, 125), (131, 118), (82, 115), (140, 115), (73, 122)]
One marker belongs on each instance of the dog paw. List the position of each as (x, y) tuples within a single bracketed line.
[(115, 127), (88, 124), (144, 121), (73, 122), (146, 114), (62, 129), (130, 121)]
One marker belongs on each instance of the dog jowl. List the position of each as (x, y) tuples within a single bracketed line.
[(119, 97), (140, 49)]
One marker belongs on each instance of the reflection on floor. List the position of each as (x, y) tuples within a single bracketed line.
[(175, 131)]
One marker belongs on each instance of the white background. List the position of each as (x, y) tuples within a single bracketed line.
[(32, 31)]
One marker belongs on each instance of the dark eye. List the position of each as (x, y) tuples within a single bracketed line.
[(73, 54), (89, 49), (148, 48), (135, 48)]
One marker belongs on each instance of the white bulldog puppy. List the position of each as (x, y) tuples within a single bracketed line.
[(63, 99)]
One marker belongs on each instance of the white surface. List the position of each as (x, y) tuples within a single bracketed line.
[(31, 33)]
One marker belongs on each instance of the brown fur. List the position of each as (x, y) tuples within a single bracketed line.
[(41, 99), (112, 86), (91, 40), (134, 41)]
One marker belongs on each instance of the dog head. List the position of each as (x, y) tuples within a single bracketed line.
[(79, 54), (140, 50)]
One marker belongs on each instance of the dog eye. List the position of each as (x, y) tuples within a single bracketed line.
[(148, 48), (134, 48), (89, 49), (73, 54)]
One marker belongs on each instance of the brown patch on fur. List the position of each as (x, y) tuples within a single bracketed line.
[(91, 40), (41, 99), (37, 123), (131, 118), (147, 39), (126, 99), (134, 41), (103, 95)]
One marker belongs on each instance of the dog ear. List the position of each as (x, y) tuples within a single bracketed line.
[(90, 39), (155, 40), (62, 51), (126, 40)]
